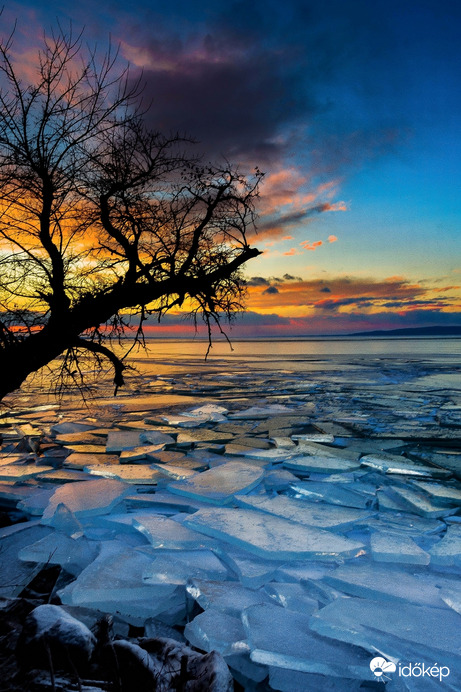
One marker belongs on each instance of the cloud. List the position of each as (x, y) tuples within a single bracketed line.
[(291, 252), (325, 289), (332, 239), (307, 245), (271, 290), (257, 281)]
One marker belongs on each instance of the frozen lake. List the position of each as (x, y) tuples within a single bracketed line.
[(294, 505)]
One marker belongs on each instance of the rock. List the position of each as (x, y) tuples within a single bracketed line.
[(67, 638)]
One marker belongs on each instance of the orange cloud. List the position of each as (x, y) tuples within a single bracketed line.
[(292, 251), (307, 245), (332, 239)]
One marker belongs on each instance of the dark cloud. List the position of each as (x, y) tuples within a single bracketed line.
[(325, 289), (255, 318), (271, 290), (251, 81), (257, 281), (341, 302)]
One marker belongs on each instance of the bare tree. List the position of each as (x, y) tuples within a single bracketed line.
[(102, 220)]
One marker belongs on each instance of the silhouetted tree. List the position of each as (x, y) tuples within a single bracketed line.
[(102, 220)]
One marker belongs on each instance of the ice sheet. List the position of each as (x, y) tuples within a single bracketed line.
[(448, 551), (88, 498), (166, 533), (215, 630), (271, 537), (304, 512), (397, 548), (177, 567), (227, 596), (407, 632), (220, 484), (388, 583), (283, 638), (320, 464)]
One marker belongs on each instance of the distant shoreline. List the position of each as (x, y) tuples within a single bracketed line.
[(382, 334)]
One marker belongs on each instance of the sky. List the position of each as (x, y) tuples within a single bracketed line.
[(351, 109)]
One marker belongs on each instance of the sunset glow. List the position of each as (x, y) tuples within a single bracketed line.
[(352, 113)]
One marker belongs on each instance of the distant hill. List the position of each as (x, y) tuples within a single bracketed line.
[(414, 331)]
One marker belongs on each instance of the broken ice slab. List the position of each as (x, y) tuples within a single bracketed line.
[(388, 583), (59, 549), (182, 420), (63, 476), (227, 596), (177, 567), (256, 412), (283, 638), (88, 498), (22, 473), (7, 459), (320, 438), (72, 427), (279, 479), (141, 453), (219, 485), (130, 473), (190, 437), (292, 596), (389, 463), (155, 437), (79, 461), (404, 523), (66, 522), (118, 440), (417, 502), (214, 412), (452, 597), (113, 583), (407, 632), (447, 552), (305, 512), (397, 548), (11, 494), (320, 464), (251, 571), (176, 473), (215, 630), (168, 534), (283, 442), (257, 442), (332, 494), (15, 574), (294, 572), (36, 502), (80, 438), (315, 449), (271, 537), (164, 503), (278, 454), (444, 495)]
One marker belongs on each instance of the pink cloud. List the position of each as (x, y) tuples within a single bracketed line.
[(292, 251), (332, 239)]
